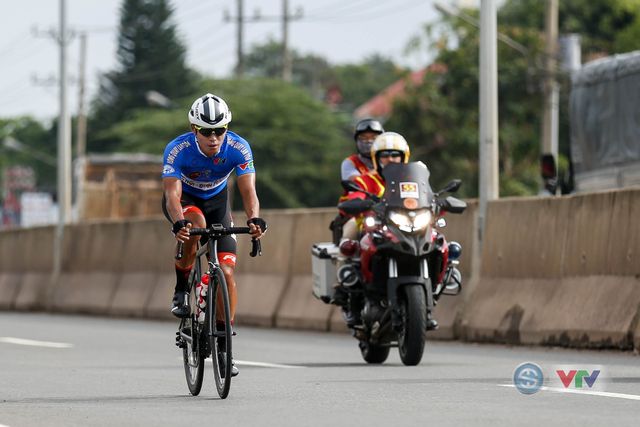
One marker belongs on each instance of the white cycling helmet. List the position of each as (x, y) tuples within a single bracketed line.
[(209, 111)]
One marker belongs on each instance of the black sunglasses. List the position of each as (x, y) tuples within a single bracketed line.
[(206, 132), (394, 154)]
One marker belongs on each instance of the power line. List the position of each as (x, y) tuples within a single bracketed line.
[(10, 94), (28, 52), (339, 7), (379, 11), (13, 44), (196, 11), (207, 32)]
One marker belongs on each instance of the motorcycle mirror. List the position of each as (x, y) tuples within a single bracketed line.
[(356, 206), (453, 205), (451, 187)]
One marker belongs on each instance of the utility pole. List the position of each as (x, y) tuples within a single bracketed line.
[(488, 144), (286, 54), (81, 130), (64, 125), (286, 57), (286, 19), (551, 88), (240, 63), (64, 149)]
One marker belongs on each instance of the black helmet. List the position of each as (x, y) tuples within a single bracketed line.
[(367, 125)]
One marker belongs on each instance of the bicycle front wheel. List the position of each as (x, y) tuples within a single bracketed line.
[(192, 355), (219, 334)]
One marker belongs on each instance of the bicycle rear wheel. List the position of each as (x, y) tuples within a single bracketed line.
[(220, 337)]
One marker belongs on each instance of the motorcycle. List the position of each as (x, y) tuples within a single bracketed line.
[(400, 266)]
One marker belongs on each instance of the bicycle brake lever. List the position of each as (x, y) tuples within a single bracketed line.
[(256, 248), (180, 250)]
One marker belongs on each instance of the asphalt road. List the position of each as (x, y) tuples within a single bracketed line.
[(88, 371)]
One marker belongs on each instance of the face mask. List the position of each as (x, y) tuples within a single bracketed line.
[(364, 148)]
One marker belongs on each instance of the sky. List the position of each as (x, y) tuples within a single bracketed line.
[(341, 31)]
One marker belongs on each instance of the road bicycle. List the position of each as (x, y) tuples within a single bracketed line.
[(201, 338)]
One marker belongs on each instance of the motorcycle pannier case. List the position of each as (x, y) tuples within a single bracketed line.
[(323, 267)]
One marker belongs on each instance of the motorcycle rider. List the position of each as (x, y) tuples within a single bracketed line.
[(388, 147), (360, 163)]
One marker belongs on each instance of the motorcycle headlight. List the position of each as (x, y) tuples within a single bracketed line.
[(370, 221), (412, 221), (401, 220), (421, 220)]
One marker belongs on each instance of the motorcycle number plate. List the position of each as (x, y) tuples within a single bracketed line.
[(409, 190)]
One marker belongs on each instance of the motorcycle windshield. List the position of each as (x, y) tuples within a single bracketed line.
[(407, 185)]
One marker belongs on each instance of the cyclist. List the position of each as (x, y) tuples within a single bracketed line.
[(196, 167)]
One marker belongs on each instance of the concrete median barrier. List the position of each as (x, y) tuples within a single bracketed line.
[(162, 245), (137, 266), (261, 281), (10, 274), (298, 307), (559, 271), (460, 228), (91, 266), (34, 265)]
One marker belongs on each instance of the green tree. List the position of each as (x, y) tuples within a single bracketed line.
[(606, 26), (440, 117), (362, 81), (38, 143), (297, 141), (357, 82), (150, 57), (309, 71)]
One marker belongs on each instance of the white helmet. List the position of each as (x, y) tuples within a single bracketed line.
[(389, 141), (209, 111)]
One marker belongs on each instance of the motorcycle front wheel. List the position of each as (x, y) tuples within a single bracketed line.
[(411, 338)]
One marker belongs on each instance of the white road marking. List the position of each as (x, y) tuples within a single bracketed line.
[(587, 392), (266, 365), (2, 425), (259, 364), (34, 343)]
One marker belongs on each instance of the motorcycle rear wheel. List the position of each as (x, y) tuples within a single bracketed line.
[(372, 353), (414, 324)]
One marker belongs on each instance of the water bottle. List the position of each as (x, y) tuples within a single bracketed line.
[(201, 295)]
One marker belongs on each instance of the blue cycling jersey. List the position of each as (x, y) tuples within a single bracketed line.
[(203, 176)]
